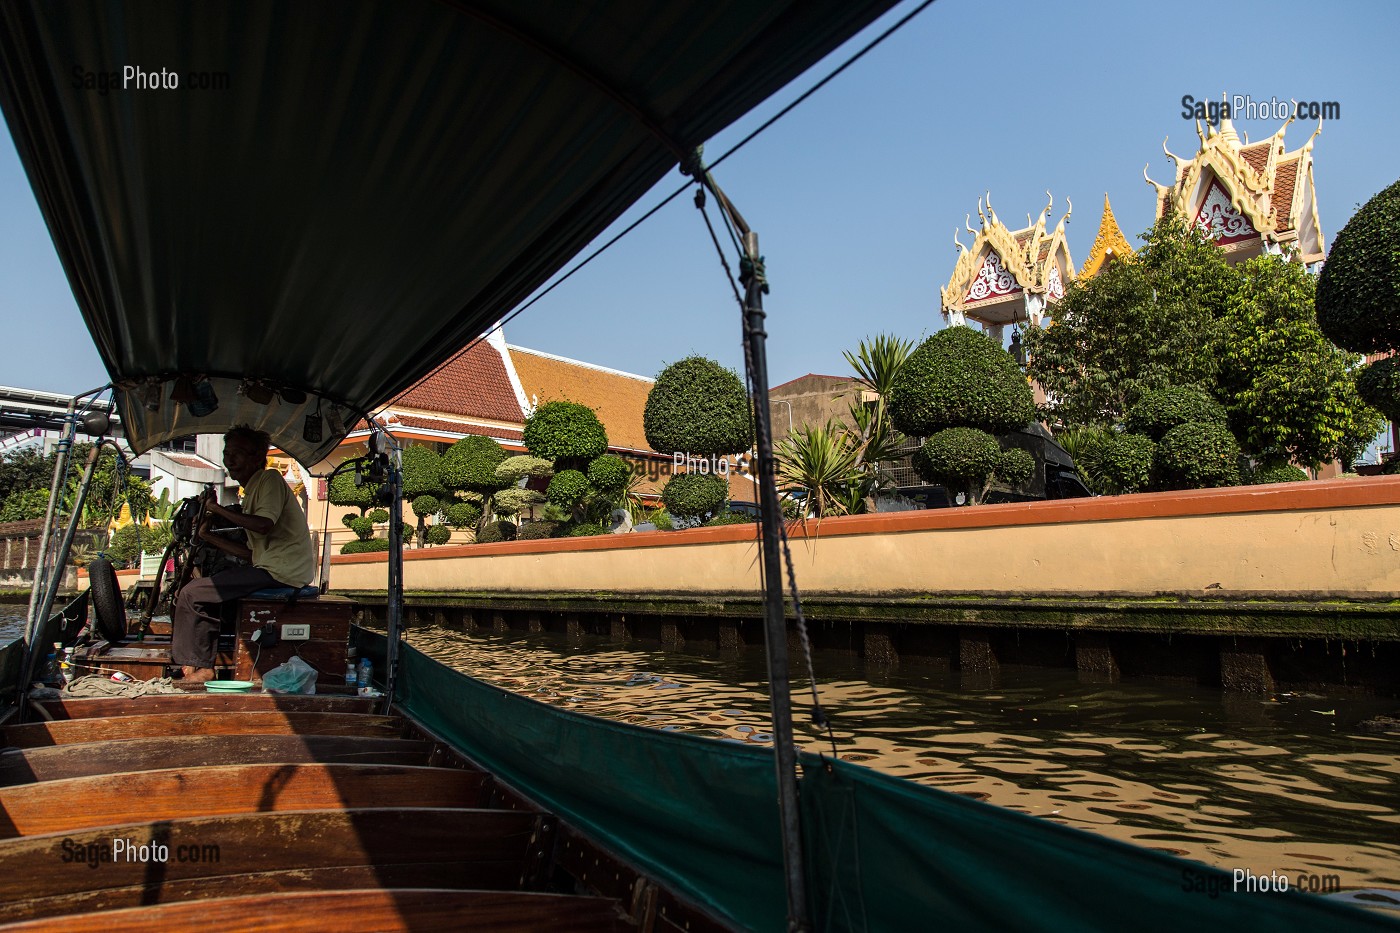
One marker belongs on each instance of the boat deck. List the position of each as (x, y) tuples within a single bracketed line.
[(260, 811)]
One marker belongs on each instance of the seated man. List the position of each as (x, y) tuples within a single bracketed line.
[(279, 547)]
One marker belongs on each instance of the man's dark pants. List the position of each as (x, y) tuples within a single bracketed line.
[(195, 629)]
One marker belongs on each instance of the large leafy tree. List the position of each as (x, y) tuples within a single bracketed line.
[(1137, 326)]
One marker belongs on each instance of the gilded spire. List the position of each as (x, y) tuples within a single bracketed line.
[(1109, 242)]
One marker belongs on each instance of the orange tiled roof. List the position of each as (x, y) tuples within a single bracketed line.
[(1257, 155), (474, 384), (618, 398), (1285, 178)]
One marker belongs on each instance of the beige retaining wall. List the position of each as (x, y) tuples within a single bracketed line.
[(1338, 537)]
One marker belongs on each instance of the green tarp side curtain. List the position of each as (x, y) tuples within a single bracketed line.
[(340, 194), (882, 853)]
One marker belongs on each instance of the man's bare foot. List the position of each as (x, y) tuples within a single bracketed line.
[(194, 676)]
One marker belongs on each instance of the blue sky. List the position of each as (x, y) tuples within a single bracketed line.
[(855, 195)]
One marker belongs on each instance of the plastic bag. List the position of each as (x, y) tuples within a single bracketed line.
[(292, 676)]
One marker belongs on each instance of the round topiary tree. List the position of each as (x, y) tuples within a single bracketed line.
[(1277, 473), (1124, 463), (420, 472), (363, 528), (437, 534), (1358, 292), (378, 516), (960, 378), (609, 474), (424, 506), (1379, 386), (1197, 456), (496, 531), (1016, 467), (693, 495), (567, 488), (513, 469), (344, 492), (962, 459), (1158, 412), (471, 464), (698, 407), (512, 501), (461, 514), (565, 431)]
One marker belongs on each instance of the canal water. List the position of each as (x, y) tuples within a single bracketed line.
[(1293, 783)]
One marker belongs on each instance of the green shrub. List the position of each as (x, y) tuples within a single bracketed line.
[(423, 506), (609, 474), (1197, 456), (421, 469), (565, 430), (437, 534), (363, 528), (1379, 386), (1124, 463), (960, 378), (461, 514), (958, 457), (378, 516), (1158, 412), (587, 530), (471, 464), (690, 495), (534, 531), (124, 550), (344, 492), (1277, 473), (698, 407), (513, 469), (513, 500), (1017, 466), (1358, 292), (496, 531), (348, 519), (662, 520), (731, 518), (567, 488), (364, 547)]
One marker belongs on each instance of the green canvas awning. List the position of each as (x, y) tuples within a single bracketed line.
[(337, 196)]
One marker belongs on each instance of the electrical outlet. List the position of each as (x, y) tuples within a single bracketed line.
[(296, 632)]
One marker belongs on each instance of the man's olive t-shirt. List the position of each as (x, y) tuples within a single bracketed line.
[(286, 551)]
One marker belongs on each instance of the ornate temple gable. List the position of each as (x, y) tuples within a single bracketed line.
[(1007, 275), (1251, 197), (1109, 243)]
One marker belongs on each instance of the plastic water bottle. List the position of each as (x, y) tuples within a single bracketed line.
[(366, 674), (66, 666), (352, 675)]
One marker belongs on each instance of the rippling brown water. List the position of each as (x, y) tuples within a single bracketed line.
[(1290, 783)]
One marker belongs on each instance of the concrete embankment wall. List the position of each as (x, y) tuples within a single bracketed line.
[(1336, 539)]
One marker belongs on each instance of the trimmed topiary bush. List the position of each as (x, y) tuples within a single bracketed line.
[(587, 530), (567, 488), (363, 528), (512, 501), (344, 492), (348, 519), (1198, 456), (565, 430), (1017, 466), (960, 458), (1158, 412), (513, 469), (691, 495), (496, 531), (461, 514), (534, 531), (698, 407), (1379, 386), (423, 506), (1124, 463), (378, 516), (1358, 292), (437, 534), (364, 547), (1278, 473), (731, 518), (421, 466), (662, 520), (609, 474), (471, 464), (960, 378)]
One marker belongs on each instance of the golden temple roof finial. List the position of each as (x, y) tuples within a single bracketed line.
[(1161, 189), (1176, 160), (980, 213), (990, 211), (967, 222), (1069, 210), (1201, 134), (961, 249), (1045, 211), (1315, 133), (1109, 243)]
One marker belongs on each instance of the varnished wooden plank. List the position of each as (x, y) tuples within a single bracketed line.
[(25, 765), (208, 847), (478, 876), (388, 910), (205, 703), (258, 722), (49, 806)]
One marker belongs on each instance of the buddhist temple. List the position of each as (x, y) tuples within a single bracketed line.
[(1007, 276), (1109, 245), (1250, 198)]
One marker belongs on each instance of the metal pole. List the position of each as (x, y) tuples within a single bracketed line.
[(775, 621), (394, 609), (43, 567)]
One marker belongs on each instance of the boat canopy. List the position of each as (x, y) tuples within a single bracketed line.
[(283, 214)]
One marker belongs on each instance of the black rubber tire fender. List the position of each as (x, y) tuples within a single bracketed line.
[(107, 608)]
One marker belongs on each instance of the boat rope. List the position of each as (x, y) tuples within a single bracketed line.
[(754, 270), (577, 267)]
